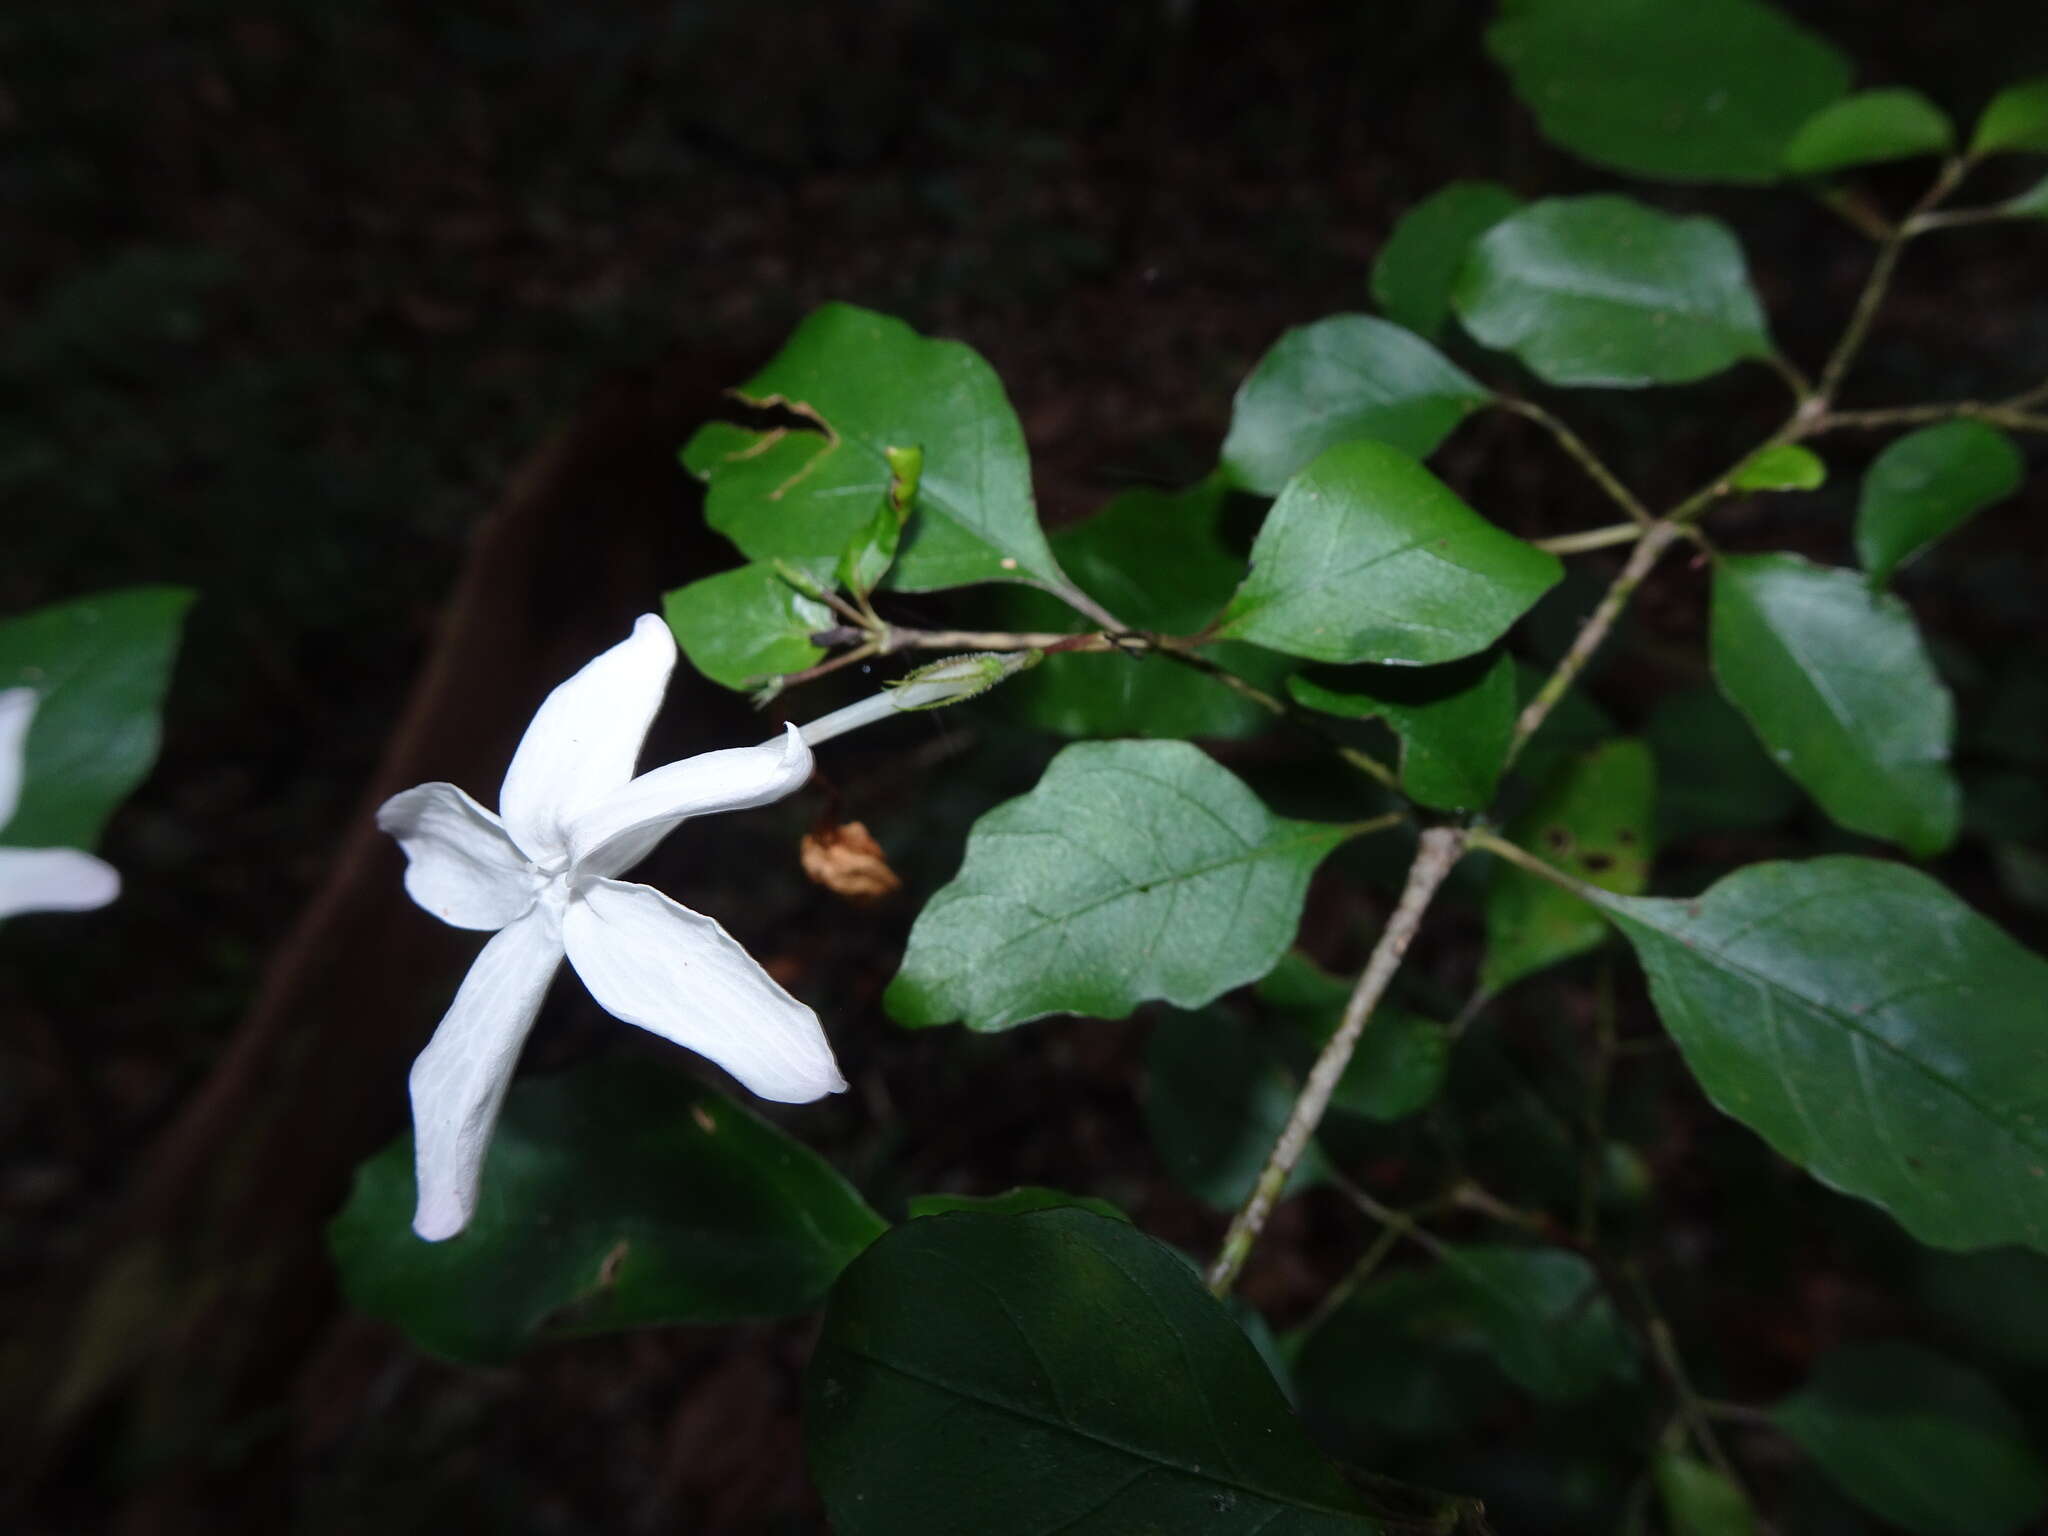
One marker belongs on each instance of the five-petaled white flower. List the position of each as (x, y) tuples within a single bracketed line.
[(40, 879), (545, 877)]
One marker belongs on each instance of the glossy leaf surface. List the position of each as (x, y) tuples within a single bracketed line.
[(1134, 872), (1710, 90), (743, 626), (1928, 484), (1020, 1201), (619, 1195), (1021, 1375), (1604, 290), (1871, 1028), (1838, 685), (2015, 119), (1918, 1440), (871, 383), (1347, 377), (1367, 556), (1412, 277), (99, 666)]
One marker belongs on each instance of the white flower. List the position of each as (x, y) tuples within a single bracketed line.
[(41, 879), (545, 878)]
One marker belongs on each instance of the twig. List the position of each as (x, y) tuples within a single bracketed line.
[(1648, 551), (1334, 1298), (1436, 854), (894, 638), (1590, 461), (1691, 1406), (1180, 652), (1874, 287), (1592, 538)]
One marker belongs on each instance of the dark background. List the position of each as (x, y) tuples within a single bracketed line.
[(287, 291)]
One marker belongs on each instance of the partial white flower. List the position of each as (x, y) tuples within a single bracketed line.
[(545, 877), (40, 879)]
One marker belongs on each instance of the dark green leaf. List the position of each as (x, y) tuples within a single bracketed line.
[(1367, 556), (1594, 819), (1993, 1299), (1536, 1313), (1918, 1440), (1708, 90), (1787, 467), (1019, 1375), (1872, 1029), (744, 626), (872, 384), (99, 667), (1711, 774), (1340, 379), (1134, 872), (2017, 118), (1605, 290), (1868, 127), (1837, 683), (1155, 560), (1013, 1202), (1400, 1061), (619, 1195), (1698, 1501), (1412, 278), (1215, 1103), (1454, 722), (1926, 485)]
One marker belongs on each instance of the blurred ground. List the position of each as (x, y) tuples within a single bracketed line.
[(285, 291)]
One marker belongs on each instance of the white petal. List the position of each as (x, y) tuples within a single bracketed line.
[(677, 973), (459, 1080), (54, 880), (622, 829), (17, 709), (460, 863), (584, 740)]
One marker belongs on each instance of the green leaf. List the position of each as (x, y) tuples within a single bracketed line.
[(1925, 486), (1709, 90), (744, 626), (1712, 776), (1156, 560), (2030, 204), (866, 560), (1367, 556), (1698, 1501), (99, 666), (1135, 872), (1020, 1201), (1835, 680), (871, 384), (1215, 1103), (1454, 722), (1787, 467), (1537, 1313), (1868, 127), (1018, 1375), (1594, 819), (1401, 1059), (1604, 290), (1919, 1441), (620, 1195), (1340, 379), (2017, 118), (1412, 278), (1871, 1028)]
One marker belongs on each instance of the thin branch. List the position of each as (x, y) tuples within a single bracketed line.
[(1589, 461), (1592, 538), (1648, 551), (1435, 856), (894, 638), (1281, 708), (1874, 288), (1856, 211), (1790, 372), (1691, 1406)]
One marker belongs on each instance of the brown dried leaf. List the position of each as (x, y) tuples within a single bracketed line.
[(847, 861)]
